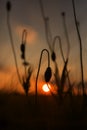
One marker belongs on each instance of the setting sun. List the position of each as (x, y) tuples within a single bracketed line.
[(46, 87)]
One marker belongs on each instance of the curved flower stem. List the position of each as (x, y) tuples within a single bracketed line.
[(57, 77), (24, 35), (49, 41), (61, 50), (12, 45), (68, 43), (66, 33), (48, 33), (60, 45), (39, 71), (80, 45), (46, 23)]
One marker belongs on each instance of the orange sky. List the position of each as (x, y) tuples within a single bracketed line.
[(27, 15), (9, 83)]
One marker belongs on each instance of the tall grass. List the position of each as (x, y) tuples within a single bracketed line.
[(63, 14), (27, 67), (80, 45), (25, 80), (8, 7)]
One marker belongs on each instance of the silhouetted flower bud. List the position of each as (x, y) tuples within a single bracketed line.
[(48, 74), (22, 48), (8, 5), (53, 56)]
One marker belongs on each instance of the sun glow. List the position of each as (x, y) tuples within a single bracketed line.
[(46, 87)]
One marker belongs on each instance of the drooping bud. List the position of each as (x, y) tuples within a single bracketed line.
[(22, 48), (53, 56), (8, 5), (48, 74)]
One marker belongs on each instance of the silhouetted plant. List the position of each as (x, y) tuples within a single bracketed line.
[(84, 103), (27, 66), (59, 78), (53, 56), (60, 46), (56, 74), (51, 47), (66, 33), (47, 74), (25, 81), (68, 50), (8, 7), (46, 24), (64, 75), (80, 45)]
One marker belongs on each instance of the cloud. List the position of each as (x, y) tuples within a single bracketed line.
[(32, 35)]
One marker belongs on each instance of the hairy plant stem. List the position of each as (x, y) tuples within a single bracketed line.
[(46, 24), (68, 46), (66, 33), (80, 45), (53, 41), (12, 45), (36, 86)]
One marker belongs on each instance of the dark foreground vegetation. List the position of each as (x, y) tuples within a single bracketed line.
[(18, 112)]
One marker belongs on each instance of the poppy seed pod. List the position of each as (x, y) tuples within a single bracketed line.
[(8, 5), (48, 74), (53, 56)]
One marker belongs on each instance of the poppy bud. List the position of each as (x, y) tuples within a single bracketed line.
[(53, 56), (22, 48), (8, 5), (48, 74)]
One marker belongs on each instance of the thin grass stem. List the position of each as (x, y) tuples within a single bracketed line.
[(12, 45), (80, 45)]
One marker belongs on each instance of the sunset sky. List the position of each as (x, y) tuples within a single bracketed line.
[(26, 14)]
